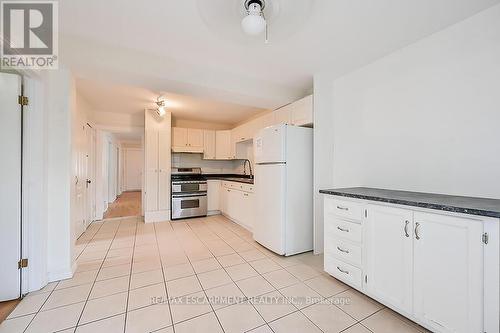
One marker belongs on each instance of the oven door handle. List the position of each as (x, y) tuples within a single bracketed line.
[(189, 195)]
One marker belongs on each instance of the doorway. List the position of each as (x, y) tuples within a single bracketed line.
[(11, 121)]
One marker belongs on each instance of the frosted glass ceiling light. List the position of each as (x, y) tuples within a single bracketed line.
[(254, 23)]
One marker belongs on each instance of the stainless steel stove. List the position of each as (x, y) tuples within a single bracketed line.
[(189, 193)]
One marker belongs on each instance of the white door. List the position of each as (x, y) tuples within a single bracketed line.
[(133, 169), (270, 144), (269, 226), (448, 264), (90, 166), (10, 190), (389, 255), (80, 180)]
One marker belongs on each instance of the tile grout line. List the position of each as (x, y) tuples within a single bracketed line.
[(98, 271), (130, 278), (204, 292), (164, 278), (234, 282), (57, 283)]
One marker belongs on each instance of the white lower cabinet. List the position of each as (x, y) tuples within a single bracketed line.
[(388, 247), (427, 265), (448, 273), (237, 203), (213, 196)]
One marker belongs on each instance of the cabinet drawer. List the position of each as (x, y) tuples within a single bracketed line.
[(344, 251), (343, 271), (346, 209), (345, 230)]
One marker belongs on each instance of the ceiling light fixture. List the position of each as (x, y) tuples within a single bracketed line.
[(254, 23), (161, 106)]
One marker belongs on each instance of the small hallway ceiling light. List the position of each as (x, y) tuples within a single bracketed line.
[(254, 23), (161, 106)]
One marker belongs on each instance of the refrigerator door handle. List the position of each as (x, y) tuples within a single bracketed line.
[(272, 163)]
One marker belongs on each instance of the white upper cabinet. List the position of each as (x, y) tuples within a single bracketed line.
[(189, 140), (195, 138), (302, 111), (388, 246), (179, 137), (223, 150), (448, 269), (283, 115), (209, 145)]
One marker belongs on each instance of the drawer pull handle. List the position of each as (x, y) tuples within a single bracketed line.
[(406, 228), (341, 270), (342, 229), (342, 250), (342, 208), (417, 228)]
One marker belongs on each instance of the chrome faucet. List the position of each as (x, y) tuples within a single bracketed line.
[(249, 167)]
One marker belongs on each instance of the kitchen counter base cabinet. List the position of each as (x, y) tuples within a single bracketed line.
[(213, 196), (237, 203), (439, 269)]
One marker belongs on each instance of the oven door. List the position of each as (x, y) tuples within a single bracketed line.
[(189, 187), (189, 205)]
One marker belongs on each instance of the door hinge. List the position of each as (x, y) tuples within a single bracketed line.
[(485, 238), (22, 263), (23, 100)]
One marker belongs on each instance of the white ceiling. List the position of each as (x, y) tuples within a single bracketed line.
[(182, 48), (105, 98)]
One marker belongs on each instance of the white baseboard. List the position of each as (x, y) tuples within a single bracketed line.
[(157, 216), (213, 212)]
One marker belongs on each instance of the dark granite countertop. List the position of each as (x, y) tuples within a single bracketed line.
[(231, 177), (449, 203)]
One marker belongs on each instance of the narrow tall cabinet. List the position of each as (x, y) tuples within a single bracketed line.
[(157, 163)]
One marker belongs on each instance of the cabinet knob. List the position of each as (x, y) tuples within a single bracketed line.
[(417, 229), (343, 271), (342, 229)]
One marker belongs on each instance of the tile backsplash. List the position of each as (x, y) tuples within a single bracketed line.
[(207, 166)]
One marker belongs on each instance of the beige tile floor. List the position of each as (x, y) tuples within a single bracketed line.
[(200, 275)]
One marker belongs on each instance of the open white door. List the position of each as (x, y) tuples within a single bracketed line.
[(10, 190)]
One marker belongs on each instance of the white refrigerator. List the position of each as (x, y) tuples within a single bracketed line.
[(284, 189)]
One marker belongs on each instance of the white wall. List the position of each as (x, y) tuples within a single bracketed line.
[(59, 105), (424, 118)]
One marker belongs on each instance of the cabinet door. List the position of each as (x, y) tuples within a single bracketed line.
[(223, 199), (209, 145), (195, 138), (266, 121), (388, 245), (302, 111), (448, 265), (282, 116), (151, 170), (164, 165), (223, 145), (179, 137), (213, 195), (248, 209)]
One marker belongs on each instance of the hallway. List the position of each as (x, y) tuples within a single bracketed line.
[(127, 204)]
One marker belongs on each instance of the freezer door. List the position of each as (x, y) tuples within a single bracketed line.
[(269, 223), (270, 144)]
